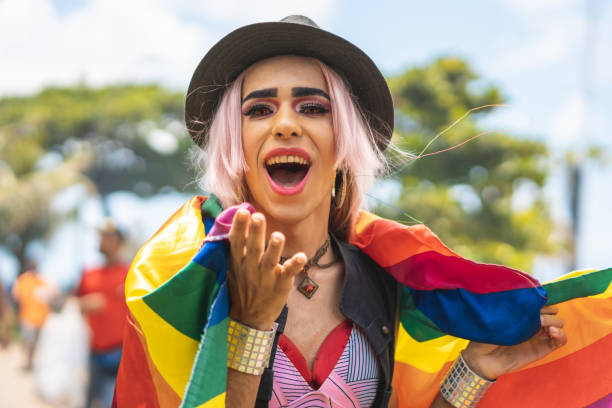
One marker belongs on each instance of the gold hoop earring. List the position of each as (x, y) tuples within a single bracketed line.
[(342, 194)]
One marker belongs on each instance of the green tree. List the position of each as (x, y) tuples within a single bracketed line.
[(466, 194), (113, 138)]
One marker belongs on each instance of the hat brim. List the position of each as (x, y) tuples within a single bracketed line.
[(245, 46)]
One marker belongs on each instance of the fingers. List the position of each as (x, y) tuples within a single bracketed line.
[(272, 255), (256, 239), (551, 321), (294, 265), (549, 310), (237, 234), (557, 337), (552, 327)]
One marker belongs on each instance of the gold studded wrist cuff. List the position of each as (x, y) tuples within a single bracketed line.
[(462, 387), (248, 350)]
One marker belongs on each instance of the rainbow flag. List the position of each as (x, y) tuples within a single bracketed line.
[(175, 341)]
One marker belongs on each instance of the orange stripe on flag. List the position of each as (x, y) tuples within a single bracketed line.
[(414, 240), (576, 380), (585, 320), (415, 388)]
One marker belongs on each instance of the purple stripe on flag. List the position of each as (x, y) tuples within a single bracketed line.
[(605, 402)]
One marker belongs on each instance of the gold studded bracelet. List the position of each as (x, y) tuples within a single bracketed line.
[(462, 387), (248, 349)]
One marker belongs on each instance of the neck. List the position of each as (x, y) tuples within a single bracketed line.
[(111, 260), (305, 235)]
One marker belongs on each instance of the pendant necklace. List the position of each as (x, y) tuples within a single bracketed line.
[(307, 286)]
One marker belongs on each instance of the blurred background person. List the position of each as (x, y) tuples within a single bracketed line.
[(102, 301), (31, 293), (6, 318)]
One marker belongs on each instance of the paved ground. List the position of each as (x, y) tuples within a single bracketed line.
[(16, 388)]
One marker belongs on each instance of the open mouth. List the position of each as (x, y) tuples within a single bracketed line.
[(287, 173)]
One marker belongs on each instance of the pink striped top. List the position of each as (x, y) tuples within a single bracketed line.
[(345, 372)]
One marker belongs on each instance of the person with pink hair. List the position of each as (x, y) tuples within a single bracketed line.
[(293, 120), (300, 135)]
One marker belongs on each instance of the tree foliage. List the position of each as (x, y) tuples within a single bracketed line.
[(133, 138), (470, 195), (113, 138)]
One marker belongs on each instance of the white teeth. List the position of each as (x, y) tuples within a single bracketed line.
[(287, 159)]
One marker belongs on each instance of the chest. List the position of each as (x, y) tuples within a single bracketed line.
[(346, 375), (309, 321), (109, 281)]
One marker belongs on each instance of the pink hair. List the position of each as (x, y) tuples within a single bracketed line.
[(224, 165), (356, 151)]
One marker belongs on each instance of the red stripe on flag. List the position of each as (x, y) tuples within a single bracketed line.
[(431, 270), (135, 386)]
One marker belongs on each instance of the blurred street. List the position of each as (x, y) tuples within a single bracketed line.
[(16, 387)]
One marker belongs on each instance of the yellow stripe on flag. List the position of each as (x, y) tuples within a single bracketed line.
[(429, 356), (217, 402), (171, 351)]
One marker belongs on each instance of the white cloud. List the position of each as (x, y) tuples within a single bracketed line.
[(557, 33), (110, 41), (549, 33), (602, 53), (578, 124), (239, 12), (533, 6), (568, 125), (105, 41)]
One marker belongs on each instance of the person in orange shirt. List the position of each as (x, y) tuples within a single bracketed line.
[(102, 301), (32, 294)]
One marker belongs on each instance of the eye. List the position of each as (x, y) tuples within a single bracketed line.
[(258, 110), (313, 108)]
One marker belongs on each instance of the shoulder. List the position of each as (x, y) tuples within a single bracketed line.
[(369, 295), (364, 269)]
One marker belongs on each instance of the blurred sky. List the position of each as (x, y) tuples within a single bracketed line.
[(551, 58)]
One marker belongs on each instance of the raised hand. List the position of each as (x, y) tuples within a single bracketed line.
[(258, 284), (490, 361)]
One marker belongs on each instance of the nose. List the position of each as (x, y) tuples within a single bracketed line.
[(286, 124)]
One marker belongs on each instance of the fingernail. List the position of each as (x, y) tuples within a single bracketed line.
[(301, 258)]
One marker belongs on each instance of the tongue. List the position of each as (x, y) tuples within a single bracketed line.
[(287, 178)]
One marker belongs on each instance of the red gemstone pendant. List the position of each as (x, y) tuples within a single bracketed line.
[(308, 287)]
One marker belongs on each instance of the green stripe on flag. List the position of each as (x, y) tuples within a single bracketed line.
[(184, 300), (209, 374), (211, 207), (418, 326), (590, 284)]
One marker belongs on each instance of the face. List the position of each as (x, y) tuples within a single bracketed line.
[(110, 243), (288, 138)]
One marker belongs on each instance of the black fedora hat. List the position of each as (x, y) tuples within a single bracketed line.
[(294, 35)]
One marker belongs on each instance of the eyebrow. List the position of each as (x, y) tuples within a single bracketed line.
[(261, 93), (305, 91), (295, 92)]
